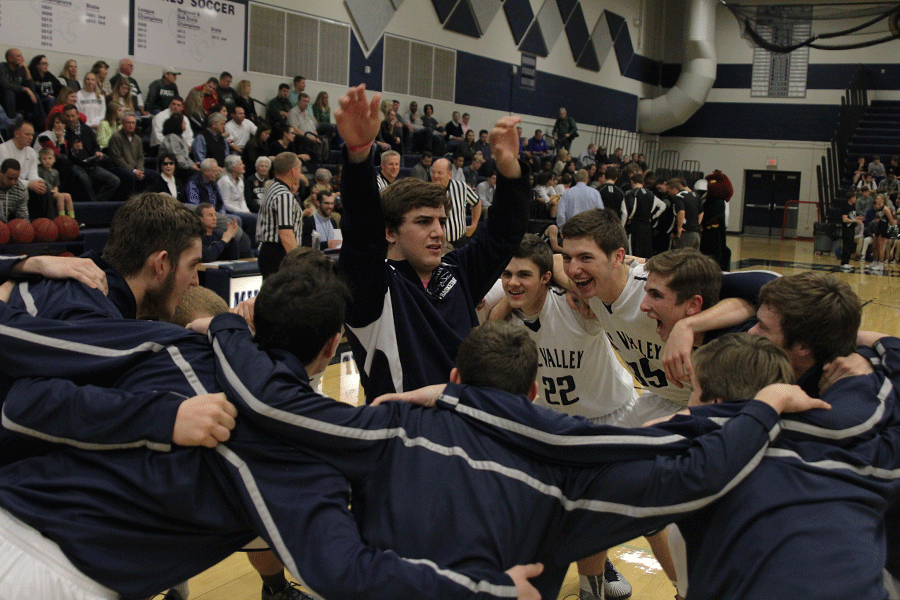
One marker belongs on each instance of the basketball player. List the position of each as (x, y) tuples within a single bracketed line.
[(578, 374)]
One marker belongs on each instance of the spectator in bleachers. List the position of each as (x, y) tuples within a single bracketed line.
[(309, 141), (894, 167), (601, 157), (420, 137), (278, 108), (322, 222), (861, 170), (482, 145), (17, 88), (428, 120), (111, 123), (538, 147), (255, 183), (246, 102), (456, 170), (485, 192), (617, 159), (562, 159), (176, 107), (239, 130), (577, 199), (299, 87), (593, 174), (470, 173), (202, 186), (69, 74), (40, 200), (283, 143), (466, 149), (217, 246), (867, 182), (90, 101), (126, 68), (88, 162), (227, 95), (46, 85), (642, 162), (565, 181), (161, 91), (890, 187), (258, 145), (52, 179), (876, 169), (14, 194), (211, 143), (174, 145), (391, 132), (587, 157), (209, 93), (126, 149), (564, 130), (122, 94), (231, 187), (66, 96), (54, 137), (465, 123), (420, 170), (100, 69), (322, 113), (390, 168), (167, 183), (453, 133)]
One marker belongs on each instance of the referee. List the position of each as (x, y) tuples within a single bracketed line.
[(280, 215), (460, 196)]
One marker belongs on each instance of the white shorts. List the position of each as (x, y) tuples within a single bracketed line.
[(646, 407), (32, 566), (616, 416)]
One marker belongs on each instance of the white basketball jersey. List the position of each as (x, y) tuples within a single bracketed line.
[(578, 373), (633, 335)]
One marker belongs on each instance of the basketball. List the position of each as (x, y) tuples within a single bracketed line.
[(68, 228), (4, 233), (20, 231), (44, 230)]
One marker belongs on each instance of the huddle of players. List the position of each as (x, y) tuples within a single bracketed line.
[(272, 395)]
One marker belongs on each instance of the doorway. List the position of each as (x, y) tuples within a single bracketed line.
[(765, 194)]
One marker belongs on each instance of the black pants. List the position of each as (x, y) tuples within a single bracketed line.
[(270, 255), (847, 243)]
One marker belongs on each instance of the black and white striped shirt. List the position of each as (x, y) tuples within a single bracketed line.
[(279, 209), (460, 195)]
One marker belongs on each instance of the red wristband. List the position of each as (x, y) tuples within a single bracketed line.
[(360, 148)]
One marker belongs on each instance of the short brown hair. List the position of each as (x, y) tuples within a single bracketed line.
[(816, 309), (284, 162), (499, 355), (148, 223), (197, 303), (602, 226), (691, 272), (737, 365), (537, 251), (409, 194)]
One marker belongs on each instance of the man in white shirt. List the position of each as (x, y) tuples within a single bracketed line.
[(40, 201), (301, 120), (239, 130), (485, 191), (176, 106)]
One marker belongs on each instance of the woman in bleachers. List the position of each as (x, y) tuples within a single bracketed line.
[(122, 94), (173, 144), (255, 183), (46, 84), (562, 157), (258, 144), (101, 70), (322, 113), (167, 183), (111, 123), (244, 87), (66, 96), (194, 111), (90, 102), (69, 74), (466, 148), (391, 132)]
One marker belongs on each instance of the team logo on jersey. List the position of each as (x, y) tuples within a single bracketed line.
[(442, 281)]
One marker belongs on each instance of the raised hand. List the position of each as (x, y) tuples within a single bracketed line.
[(358, 120), (504, 140)]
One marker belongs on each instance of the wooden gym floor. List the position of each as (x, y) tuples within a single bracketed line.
[(235, 579)]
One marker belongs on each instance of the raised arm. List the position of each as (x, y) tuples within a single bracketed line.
[(364, 248)]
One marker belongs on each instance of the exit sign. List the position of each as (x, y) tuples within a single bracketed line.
[(772, 162)]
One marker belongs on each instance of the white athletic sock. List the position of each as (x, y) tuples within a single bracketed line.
[(592, 584)]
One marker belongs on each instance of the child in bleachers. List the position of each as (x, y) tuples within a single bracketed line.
[(51, 178)]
